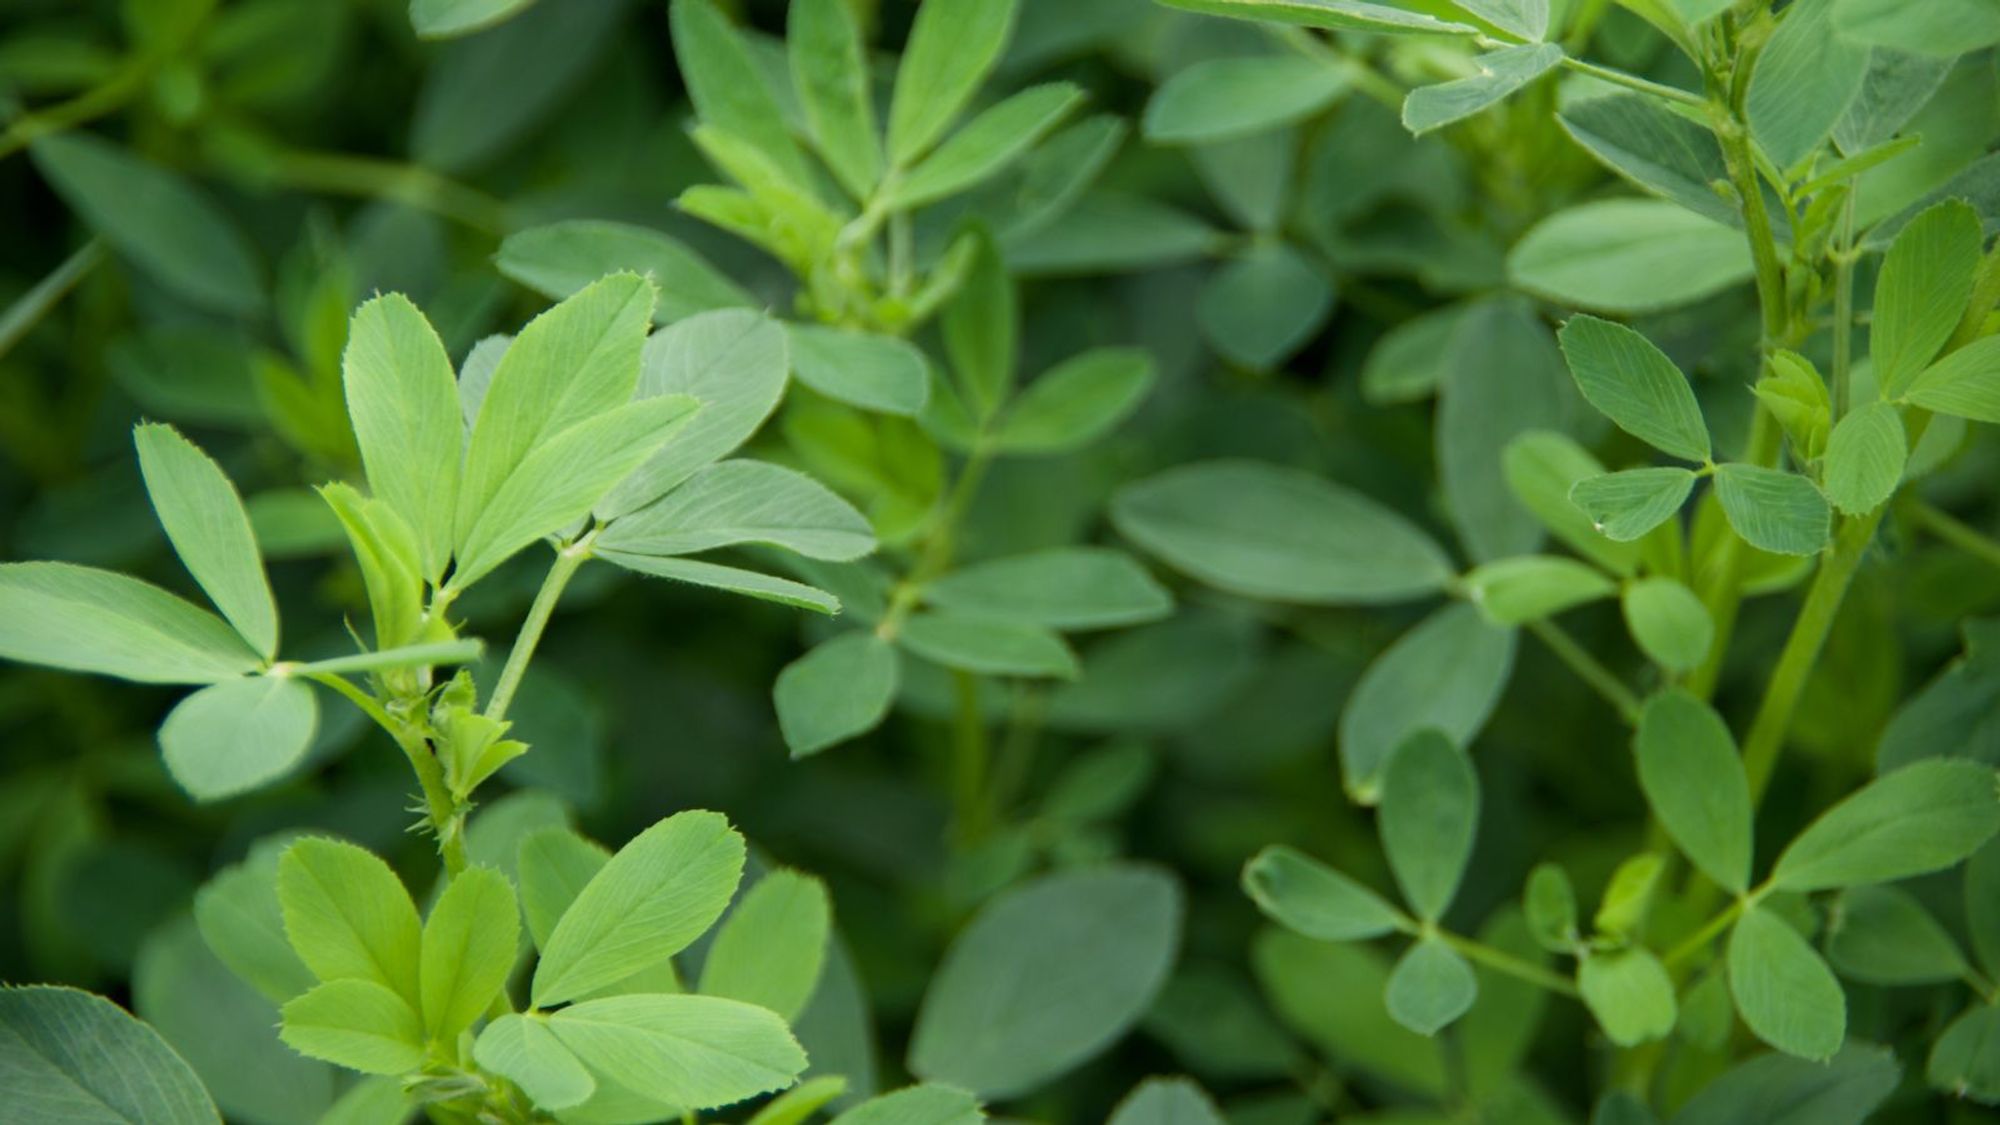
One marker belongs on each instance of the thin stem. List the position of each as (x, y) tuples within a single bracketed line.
[(1710, 930), (103, 98), (29, 308), (1843, 310), (1949, 529), (1589, 669), (568, 559), (1634, 82), (970, 760), (372, 178), (1505, 962)]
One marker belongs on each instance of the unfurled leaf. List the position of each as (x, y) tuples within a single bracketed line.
[(524, 1051), (1222, 99), (204, 519), (234, 736), (1865, 457), (241, 921), (1500, 73), (1783, 990), (1635, 385), (982, 329), (1333, 15), (1264, 304), (1542, 467), (735, 580), (552, 865), (1060, 588), (1669, 623), (1939, 27), (1844, 1090), (1445, 674), (1964, 384), (728, 86), (1923, 817), (90, 620), (468, 949), (1806, 77), (1965, 1060), (988, 646), (1644, 140), (923, 1104), (1528, 588), (1166, 1101), (1549, 905), (873, 372), (661, 891), (562, 258), (1773, 510), (694, 1051), (1429, 814), (1628, 256), (1624, 506), (770, 948), (952, 47), (1926, 282), (842, 688), (403, 400), (348, 916), (71, 1056), (985, 145), (1630, 994), (1075, 402), (1884, 935), (390, 559), (1313, 899), (357, 1024), (1528, 19), (829, 67), (1430, 988), (1695, 784), (742, 501), (447, 19)]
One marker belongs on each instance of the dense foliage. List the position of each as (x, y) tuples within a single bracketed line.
[(1267, 561)]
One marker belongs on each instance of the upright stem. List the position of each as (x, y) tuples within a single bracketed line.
[(1843, 310), (970, 760), (568, 559), (1954, 531), (1589, 669)]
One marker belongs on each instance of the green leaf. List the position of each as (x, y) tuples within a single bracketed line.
[(1076, 402), (389, 557), (1922, 292), (873, 372), (1965, 1060), (1428, 817), (1865, 457), (1640, 138), (448, 19), (734, 361), (982, 329), (1270, 532), (1166, 1101), (1982, 906), (1695, 784), (953, 45), (988, 646), (986, 144), (1883, 935), (357, 1024), (1542, 467), (693, 1051), (1111, 233), (1223, 99), (1938, 27), (840, 689), (403, 400), (1628, 256), (829, 66), (1060, 588), (468, 949), (524, 1051), (242, 923), (1965, 384), (1636, 386), (660, 892), (1923, 817), (1773, 510), (1625, 505), (235, 736), (553, 864), (1629, 993), (1045, 976), (204, 519), (742, 501), (90, 620), (1528, 19), (923, 1104), (1669, 622), (1446, 673), (561, 259), (769, 951), (1805, 79), (1629, 895), (463, 651), (1430, 988), (1308, 897), (1264, 304), (1775, 1089), (1784, 991), (70, 1056), (348, 916), (749, 583), (1409, 362), (170, 229), (1549, 905), (1500, 74), (1333, 15), (729, 88), (1528, 588), (559, 481)]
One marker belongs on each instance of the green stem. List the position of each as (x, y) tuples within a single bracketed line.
[(103, 98), (446, 816), (1634, 82), (1951, 530), (1843, 310), (29, 308), (970, 760), (1697, 941), (372, 178), (1589, 669), (568, 559), (1513, 966)]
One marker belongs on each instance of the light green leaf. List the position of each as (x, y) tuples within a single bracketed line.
[(1271, 532), (874, 372), (1076, 402), (240, 919), (1542, 467), (348, 916), (1965, 1060), (1333, 15), (1926, 816), (389, 557), (357, 1024), (1669, 622), (1695, 784), (1430, 988), (1922, 291), (70, 1056), (923, 1104), (1060, 588), (982, 329), (1773, 510), (1805, 79), (1307, 896), (1865, 457), (1428, 817), (1446, 673), (1883, 935), (1223, 99), (988, 646), (693, 1051), (749, 583), (1935, 27), (1964, 384), (403, 400), (231, 737), (729, 89), (1409, 362), (204, 519), (1045, 976), (170, 229), (1629, 894), (770, 948), (1628, 256), (1783, 990), (953, 45), (563, 258), (986, 144), (90, 620), (448, 19), (553, 864), (1629, 993), (1528, 19), (1166, 1101), (661, 891), (840, 689), (1501, 73), (1635, 385), (1549, 907), (742, 501), (829, 66), (468, 949), (524, 1051), (1982, 904), (1264, 304), (1625, 505), (1528, 588)]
